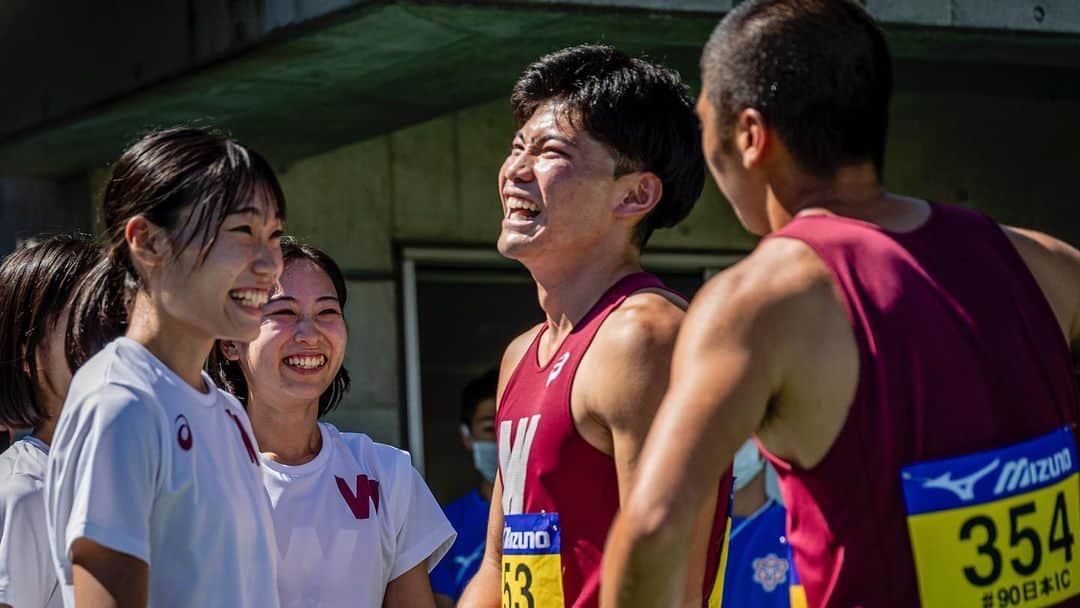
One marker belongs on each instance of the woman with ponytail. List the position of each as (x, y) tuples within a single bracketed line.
[(357, 525), (35, 284), (153, 489)]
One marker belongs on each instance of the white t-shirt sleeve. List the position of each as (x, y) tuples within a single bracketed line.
[(103, 475), (26, 571), (423, 532)]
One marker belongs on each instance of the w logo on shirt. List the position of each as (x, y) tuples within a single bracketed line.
[(360, 501), (514, 460)]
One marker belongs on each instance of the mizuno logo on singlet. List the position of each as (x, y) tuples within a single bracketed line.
[(964, 488), (1021, 473), (1015, 475), (526, 539), (557, 368), (513, 461)]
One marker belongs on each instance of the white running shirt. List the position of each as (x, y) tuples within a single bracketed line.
[(144, 464), (350, 521), (27, 578)]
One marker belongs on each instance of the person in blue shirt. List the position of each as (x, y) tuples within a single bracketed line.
[(469, 514), (759, 568)]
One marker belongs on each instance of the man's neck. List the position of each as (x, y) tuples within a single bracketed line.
[(182, 350), (569, 289), (854, 191), (287, 433)]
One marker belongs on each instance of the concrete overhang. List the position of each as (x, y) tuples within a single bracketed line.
[(294, 78)]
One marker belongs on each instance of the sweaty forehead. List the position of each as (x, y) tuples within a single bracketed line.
[(552, 119), (556, 121)]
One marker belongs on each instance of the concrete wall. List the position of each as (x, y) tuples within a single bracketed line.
[(435, 183), (30, 206)]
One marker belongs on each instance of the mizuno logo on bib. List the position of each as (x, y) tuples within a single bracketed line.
[(997, 528), (532, 566)]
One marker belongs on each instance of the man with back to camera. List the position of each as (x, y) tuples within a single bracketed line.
[(469, 514), (607, 149), (907, 366)]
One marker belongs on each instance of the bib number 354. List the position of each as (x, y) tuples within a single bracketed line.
[(997, 529)]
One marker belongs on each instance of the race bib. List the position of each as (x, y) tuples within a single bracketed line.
[(997, 528), (532, 566)]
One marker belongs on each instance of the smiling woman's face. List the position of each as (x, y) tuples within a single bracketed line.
[(301, 342)]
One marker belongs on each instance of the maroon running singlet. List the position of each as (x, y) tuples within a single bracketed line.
[(560, 494), (953, 481)]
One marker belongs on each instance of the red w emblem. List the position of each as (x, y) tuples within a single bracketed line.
[(367, 493)]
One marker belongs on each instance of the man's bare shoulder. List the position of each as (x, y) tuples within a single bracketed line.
[(512, 357), (782, 281), (625, 371), (645, 322), (1056, 267), (1042, 252)]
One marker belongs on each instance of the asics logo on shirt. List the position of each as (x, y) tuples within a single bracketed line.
[(183, 432), (514, 459), (557, 368), (964, 488), (360, 501)]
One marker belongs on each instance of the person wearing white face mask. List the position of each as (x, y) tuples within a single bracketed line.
[(759, 570), (469, 514)]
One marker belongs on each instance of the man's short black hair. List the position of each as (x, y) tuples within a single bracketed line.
[(478, 389), (819, 71), (640, 110)]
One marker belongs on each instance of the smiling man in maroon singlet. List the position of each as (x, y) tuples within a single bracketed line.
[(907, 366), (607, 150)]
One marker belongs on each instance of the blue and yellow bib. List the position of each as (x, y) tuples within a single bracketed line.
[(997, 528)]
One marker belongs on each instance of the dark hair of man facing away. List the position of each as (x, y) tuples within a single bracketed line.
[(819, 72), (640, 110)]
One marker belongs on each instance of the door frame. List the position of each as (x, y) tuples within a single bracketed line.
[(414, 257)]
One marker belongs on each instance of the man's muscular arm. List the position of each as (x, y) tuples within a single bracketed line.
[(729, 362), (485, 589), (624, 378)]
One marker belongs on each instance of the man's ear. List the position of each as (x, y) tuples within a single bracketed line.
[(752, 137), (642, 191), (146, 241), (466, 436), (230, 349)]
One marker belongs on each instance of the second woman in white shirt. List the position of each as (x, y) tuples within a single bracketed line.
[(355, 523)]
